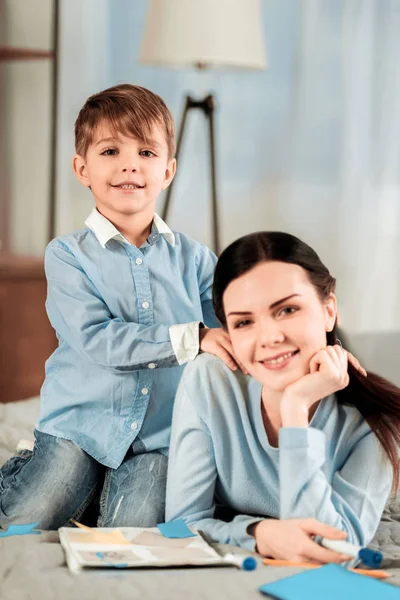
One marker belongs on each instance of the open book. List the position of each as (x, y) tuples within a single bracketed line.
[(128, 547)]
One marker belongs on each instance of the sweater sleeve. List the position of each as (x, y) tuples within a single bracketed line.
[(355, 499), (192, 477)]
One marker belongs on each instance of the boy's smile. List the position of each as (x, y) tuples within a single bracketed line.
[(126, 174), (128, 186)]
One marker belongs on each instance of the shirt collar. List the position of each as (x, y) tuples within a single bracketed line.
[(164, 230), (105, 231)]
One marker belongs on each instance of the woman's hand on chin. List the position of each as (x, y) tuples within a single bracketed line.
[(292, 539), (328, 374)]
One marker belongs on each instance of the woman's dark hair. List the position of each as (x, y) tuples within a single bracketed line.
[(377, 399)]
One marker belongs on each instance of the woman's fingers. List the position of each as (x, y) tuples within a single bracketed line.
[(342, 356), (334, 358), (315, 362), (293, 539), (332, 362), (314, 527), (315, 552), (325, 361), (339, 360)]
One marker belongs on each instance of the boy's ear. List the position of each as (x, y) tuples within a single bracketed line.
[(79, 168), (169, 173), (330, 312)]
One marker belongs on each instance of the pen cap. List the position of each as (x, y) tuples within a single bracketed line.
[(370, 558), (249, 563)]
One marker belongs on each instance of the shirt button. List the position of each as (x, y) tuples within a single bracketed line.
[(145, 391), (139, 261), (134, 425), (145, 305), (151, 366)]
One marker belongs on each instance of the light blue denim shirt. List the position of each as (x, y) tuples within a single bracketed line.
[(112, 380)]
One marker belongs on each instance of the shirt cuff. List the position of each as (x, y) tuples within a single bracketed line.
[(185, 341), (242, 537), (295, 438)]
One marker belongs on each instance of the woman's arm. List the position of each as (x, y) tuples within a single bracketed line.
[(191, 484), (192, 473), (192, 477), (355, 500)]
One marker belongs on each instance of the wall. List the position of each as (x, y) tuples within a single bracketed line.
[(26, 122), (310, 146)]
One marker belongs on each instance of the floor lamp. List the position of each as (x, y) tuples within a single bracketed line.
[(203, 34)]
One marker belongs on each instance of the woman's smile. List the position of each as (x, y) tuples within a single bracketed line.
[(279, 361)]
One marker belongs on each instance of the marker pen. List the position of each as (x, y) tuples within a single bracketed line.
[(370, 558), (246, 563)]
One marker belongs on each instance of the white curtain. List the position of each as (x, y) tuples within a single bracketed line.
[(369, 206), (311, 146), (85, 52), (341, 181)]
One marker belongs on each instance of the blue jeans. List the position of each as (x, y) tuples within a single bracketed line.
[(58, 480)]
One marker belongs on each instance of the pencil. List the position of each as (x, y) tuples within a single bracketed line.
[(304, 565)]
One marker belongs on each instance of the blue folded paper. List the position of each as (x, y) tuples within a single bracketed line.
[(175, 529), (331, 582), (19, 530)]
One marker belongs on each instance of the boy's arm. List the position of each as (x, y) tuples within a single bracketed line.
[(185, 337), (80, 316), (205, 274), (188, 339)]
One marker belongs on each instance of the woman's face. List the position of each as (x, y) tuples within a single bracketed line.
[(276, 322)]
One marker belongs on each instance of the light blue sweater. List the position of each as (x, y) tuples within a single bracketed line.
[(333, 471)]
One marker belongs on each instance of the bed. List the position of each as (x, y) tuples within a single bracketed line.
[(33, 567)]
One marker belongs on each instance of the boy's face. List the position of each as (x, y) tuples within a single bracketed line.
[(125, 174)]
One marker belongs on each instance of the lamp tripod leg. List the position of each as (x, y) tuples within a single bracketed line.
[(167, 202), (207, 105), (214, 204)]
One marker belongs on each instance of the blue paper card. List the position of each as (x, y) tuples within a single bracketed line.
[(331, 582), (19, 530), (175, 529)]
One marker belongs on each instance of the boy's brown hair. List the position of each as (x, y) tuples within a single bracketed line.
[(128, 109)]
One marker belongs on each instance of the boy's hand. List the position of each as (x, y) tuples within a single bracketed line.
[(217, 341)]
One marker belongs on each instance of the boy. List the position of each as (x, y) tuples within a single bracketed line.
[(127, 298)]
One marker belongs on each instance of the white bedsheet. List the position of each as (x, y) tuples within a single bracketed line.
[(17, 421)]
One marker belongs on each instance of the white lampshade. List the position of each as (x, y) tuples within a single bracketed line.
[(206, 33)]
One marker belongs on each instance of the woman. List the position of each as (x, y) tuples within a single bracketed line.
[(304, 445)]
